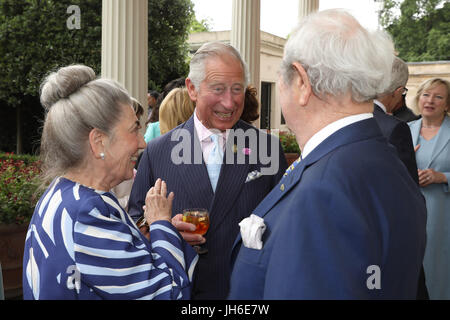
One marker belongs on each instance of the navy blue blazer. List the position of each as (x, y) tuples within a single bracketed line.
[(348, 208), (395, 132), (405, 114), (233, 200), (398, 134)]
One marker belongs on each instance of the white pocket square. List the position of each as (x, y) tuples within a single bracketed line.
[(252, 229), (253, 175)]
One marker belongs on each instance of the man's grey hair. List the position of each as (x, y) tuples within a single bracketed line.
[(399, 75), (76, 102), (340, 56), (210, 50)]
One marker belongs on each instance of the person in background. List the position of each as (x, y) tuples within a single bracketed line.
[(431, 138), (402, 112), (210, 175), (398, 134), (153, 127), (396, 131), (346, 221), (175, 109), (251, 105), (81, 244), (152, 97)]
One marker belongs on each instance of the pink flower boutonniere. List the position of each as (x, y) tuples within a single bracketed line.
[(247, 151)]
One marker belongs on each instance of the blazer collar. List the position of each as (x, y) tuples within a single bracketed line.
[(358, 131), (415, 130), (442, 138)]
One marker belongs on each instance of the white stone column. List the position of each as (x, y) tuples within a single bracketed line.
[(245, 35), (306, 7), (125, 46)]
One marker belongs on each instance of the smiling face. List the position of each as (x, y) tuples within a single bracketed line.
[(434, 101), (220, 98), (121, 152)]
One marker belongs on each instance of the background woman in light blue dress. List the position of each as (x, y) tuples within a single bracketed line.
[(81, 244), (431, 137)]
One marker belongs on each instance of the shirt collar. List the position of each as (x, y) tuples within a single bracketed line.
[(203, 132), (378, 103), (327, 131)]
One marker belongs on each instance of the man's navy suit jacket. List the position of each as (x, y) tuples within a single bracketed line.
[(347, 223), (233, 200), (398, 134)]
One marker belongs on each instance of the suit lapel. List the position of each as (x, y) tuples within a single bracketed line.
[(415, 131), (194, 173), (231, 181), (443, 137)]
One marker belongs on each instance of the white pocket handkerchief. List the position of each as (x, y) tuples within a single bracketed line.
[(253, 175), (252, 229)]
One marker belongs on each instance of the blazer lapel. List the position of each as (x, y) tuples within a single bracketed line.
[(443, 137), (415, 131), (231, 181), (194, 173)]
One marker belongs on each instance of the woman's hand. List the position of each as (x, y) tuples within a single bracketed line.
[(191, 238), (429, 176), (157, 206)]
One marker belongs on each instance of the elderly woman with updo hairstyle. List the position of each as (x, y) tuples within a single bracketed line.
[(431, 138), (81, 244)]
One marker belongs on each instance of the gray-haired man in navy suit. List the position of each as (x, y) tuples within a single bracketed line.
[(347, 221), (250, 164), (397, 132)]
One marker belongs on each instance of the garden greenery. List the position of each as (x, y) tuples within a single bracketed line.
[(19, 187)]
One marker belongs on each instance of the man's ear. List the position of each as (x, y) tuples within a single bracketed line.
[(302, 83), (97, 142), (398, 91), (191, 90)]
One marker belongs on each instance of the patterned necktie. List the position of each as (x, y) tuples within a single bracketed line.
[(214, 161)]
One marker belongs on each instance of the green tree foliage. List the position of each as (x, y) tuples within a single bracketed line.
[(421, 31), (168, 30), (34, 39), (199, 26)]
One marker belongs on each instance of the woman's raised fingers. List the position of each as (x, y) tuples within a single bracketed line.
[(163, 189), (158, 186)]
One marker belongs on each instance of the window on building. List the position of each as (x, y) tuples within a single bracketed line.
[(266, 104)]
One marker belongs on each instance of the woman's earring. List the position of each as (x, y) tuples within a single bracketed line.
[(102, 155)]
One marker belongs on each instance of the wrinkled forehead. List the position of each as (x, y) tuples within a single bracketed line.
[(224, 67)]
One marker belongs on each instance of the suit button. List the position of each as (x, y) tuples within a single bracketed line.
[(282, 187)]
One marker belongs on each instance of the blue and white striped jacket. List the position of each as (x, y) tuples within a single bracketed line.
[(82, 245)]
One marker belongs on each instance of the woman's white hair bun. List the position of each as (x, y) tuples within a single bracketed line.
[(61, 84)]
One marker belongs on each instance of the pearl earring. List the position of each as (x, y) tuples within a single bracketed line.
[(102, 155)]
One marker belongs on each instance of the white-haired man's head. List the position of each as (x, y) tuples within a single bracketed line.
[(339, 56), (399, 75), (213, 50)]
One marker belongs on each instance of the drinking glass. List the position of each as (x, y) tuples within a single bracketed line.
[(199, 217)]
